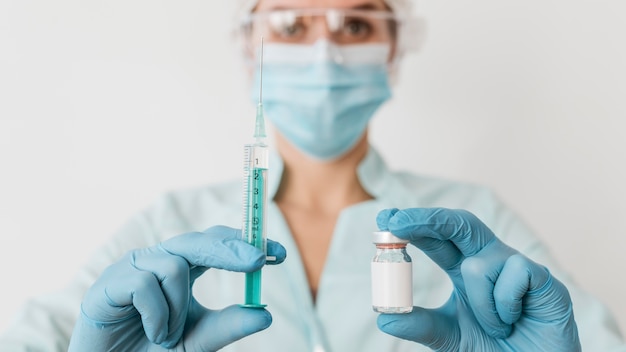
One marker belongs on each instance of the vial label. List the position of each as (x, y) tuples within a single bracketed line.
[(392, 285)]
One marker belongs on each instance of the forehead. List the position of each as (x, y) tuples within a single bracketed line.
[(293, 4)]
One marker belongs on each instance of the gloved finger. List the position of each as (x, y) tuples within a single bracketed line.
[(460, 227), (222, 327), (172, 273), (276, 250), (122, 289), (480, 274), (383, 217), (442, 251), (89, 335), (430, 327), (218, 247), (524, 282)]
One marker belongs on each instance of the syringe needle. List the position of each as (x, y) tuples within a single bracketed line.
[(259, 129), (261, 74)]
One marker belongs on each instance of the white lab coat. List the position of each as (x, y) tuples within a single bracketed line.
[(341, 320)]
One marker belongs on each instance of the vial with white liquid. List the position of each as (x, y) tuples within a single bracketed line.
[(392, 275)]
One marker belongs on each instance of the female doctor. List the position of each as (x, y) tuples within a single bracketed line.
[(483, 281)]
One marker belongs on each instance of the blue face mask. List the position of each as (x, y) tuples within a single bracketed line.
[(321, 97)]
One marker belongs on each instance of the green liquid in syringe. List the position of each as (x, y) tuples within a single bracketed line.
[(256, 229)]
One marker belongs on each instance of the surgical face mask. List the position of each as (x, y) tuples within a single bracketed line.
[(321, 97)]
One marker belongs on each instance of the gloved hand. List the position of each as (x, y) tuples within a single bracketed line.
[(501, 301), (144, 302)]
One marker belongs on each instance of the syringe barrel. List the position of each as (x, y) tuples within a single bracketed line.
[(255, 195), (254, 213)]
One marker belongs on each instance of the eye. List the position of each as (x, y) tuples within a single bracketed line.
[(291, 31), (286, 26), (357, 28)]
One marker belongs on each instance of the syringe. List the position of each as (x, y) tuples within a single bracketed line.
[(255, 196)]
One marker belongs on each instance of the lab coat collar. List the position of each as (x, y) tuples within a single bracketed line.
[(373, 173)]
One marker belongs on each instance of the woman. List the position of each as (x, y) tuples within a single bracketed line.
[(327, 67)]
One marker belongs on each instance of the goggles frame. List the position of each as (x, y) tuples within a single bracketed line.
[(335, 20), (409, 35)]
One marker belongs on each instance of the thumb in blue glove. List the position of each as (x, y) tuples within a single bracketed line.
[(144, 301), (501, 301)]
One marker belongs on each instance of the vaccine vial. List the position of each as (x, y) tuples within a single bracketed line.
[(392, 275)]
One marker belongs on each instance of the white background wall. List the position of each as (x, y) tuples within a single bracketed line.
[(104, 105)]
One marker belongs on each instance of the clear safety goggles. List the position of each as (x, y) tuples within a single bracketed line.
[(306, 26), (343, 27)]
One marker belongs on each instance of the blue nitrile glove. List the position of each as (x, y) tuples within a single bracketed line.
[(144, 302), (501, 301)]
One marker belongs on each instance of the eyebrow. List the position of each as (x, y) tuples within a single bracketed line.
[(363, 6), (368, 6)]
